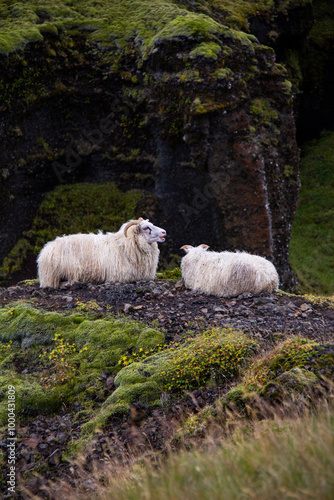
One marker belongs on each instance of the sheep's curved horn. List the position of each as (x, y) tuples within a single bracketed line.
[(185, 248), (204, 246), (132, 223)]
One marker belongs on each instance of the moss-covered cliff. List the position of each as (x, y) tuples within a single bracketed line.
[(176, 99)]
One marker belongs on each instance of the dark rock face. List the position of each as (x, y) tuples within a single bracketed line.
[(285, 29), (211, 137), (231, 180)]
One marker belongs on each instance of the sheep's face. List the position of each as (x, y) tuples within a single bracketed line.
[(152, 233)]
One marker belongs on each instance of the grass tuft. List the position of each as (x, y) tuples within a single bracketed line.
[(276, 460)]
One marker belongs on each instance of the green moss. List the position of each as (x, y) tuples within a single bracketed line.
[(312, 236), (237, 12), (288, 170), (237, 396), (95, 346), (295, 367), (149, 338), (28, 327), (223, 74), (297, 380), (31, 397), (147, 392), (109, 23), (297, 373), (109, 340), (73, 209), (292, 353), (201, 106), (207, 50), (287, 86), (263, 111)]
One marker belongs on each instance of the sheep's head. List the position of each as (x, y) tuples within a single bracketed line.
[(150, 232), (201, 247)]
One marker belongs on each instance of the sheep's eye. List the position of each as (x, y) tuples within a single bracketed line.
[(147, 228)]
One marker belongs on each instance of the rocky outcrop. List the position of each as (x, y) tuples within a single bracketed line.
[(200, 116)]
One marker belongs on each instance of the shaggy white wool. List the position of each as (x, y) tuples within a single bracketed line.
[(227, 274), (99, 258)]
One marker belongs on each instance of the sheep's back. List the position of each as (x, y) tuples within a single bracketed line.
[(228, 274)]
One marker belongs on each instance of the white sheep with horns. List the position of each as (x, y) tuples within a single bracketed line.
[(131, 254), (227, 274)]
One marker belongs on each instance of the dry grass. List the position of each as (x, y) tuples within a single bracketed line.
[(271, 459)]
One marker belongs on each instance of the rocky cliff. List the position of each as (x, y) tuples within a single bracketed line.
[(177, 99)]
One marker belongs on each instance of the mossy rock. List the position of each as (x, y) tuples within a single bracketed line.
[(238, 397), (240, 402), (207, 50), (29, 327), (88, 347), (142, 371), (293, 352), (108, 23), (263, 111), (31, 398), (147, 392), (107, 341), (295, 381), (296, 369), (322, 361)]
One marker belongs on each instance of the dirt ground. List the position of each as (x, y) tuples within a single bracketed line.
[(171, 306)]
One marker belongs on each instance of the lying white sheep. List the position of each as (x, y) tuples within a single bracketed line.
[(130, 254), (227, 274)]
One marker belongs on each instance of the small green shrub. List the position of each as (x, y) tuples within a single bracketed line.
[(59, 361), (208, 359), (213, 357), (141, 354), (90, 305), (168, 274), (4, 347)]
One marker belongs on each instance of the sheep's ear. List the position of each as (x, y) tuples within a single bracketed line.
[(205, 247), (186, 248)]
